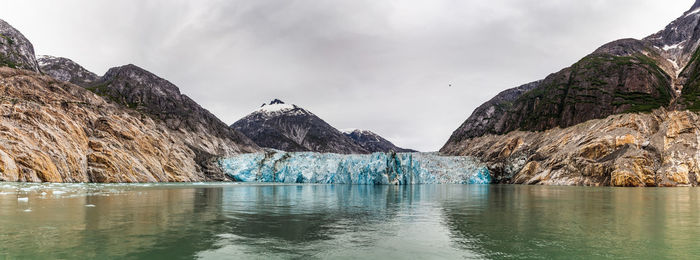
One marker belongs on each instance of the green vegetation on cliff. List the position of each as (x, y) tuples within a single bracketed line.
[(597, 86), (690, 95)]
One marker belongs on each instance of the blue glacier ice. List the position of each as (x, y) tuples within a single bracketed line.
[(376, 168)]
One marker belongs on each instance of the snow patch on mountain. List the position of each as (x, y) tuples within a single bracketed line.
[(674, 46), (696, 11)]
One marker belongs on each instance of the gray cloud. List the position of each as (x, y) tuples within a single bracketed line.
[(378, 65)]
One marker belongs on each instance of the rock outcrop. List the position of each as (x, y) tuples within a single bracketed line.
[(15, 50), (64, 69), (373, 142), (54, 131), (291, 128), (652, 149), (489, 118)]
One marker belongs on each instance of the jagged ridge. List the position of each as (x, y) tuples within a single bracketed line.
[(65, 69)]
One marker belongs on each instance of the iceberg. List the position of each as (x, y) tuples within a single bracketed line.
[(371, 169)]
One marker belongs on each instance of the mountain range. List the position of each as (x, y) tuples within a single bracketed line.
[(63, 123), (624, 115), (292, 128)]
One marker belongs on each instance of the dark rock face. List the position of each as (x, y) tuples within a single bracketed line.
[(489, 117), (596, 87), (293, 129), (623, 76), (64, 69), (143, 91), (15, 50), (599, 85), (373, 143)]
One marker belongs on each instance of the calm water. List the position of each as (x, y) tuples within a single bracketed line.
[(213, 221)]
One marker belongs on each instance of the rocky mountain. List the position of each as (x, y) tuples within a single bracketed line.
[(291, 128), (127, 126), (628, 77), (623, 76), (64, 69), (54, 131), (372, 142), (15, 50)]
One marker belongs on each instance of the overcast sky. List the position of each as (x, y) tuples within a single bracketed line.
[(382, 65)]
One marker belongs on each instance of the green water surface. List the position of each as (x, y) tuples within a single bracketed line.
[(236, 221)]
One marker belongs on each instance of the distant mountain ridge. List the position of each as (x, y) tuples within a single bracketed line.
[(372, 142), (290, 128)]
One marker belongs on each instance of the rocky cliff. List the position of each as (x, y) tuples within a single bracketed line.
[(127, 126), (650, 149), (291, 128), (54, 131), (621, 116)]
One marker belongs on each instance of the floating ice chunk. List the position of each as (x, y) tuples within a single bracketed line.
[(23, 199), (89, 205)]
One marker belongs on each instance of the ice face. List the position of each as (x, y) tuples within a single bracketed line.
[(376, 168)]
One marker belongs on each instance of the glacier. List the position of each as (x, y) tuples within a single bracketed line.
[(370, 169)]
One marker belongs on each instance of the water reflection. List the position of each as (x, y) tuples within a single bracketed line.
[(331, 221), (306, 221), (556, 222), (166, 222)]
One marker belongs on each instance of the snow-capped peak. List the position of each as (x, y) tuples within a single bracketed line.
[(276, 106)]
